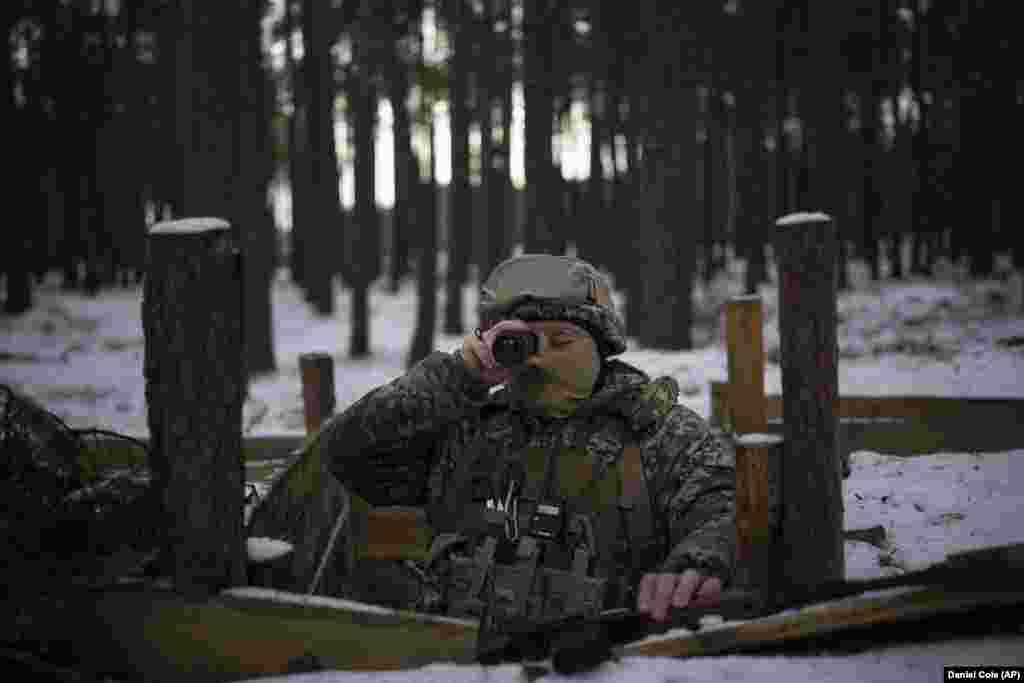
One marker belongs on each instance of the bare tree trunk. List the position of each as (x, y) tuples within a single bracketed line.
[(538, 90), (405, 176), (426, 269), (325, 210), (253, 171), (298, 166), (670, 149), (362, 240), (460, 235)]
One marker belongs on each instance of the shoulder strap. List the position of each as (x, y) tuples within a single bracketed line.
[(647, 529), (634, 485)]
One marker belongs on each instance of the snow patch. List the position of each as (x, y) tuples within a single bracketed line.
[(266, 549)]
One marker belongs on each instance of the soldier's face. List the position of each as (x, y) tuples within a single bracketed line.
[(563, 372)]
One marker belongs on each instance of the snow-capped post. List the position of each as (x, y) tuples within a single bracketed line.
[(758, 468), (811, 545), (317, 370), (745, 344), (195, 388)]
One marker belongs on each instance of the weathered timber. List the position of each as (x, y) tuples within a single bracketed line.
[(853, 624), (745, 343), (318, 399), (143, 633), (905, 425), (887, 407), (812, 517), (195, 388), (758, 467), (304, 507)]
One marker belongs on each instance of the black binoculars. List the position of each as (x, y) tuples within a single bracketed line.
[(511, 349)]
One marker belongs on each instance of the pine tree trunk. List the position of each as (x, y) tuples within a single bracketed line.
[(459, 245), (362, 239), (494, 89), (538, 94), (297, 154), (670, 149), (405, 177), (426, 274), (325, 212), (13, 265), (254, 168)]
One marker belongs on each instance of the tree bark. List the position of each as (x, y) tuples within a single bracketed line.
[(298, 166), (426, 269), (812, 518), (538, 94), (254, 169), (406, 176), (459, 245), (362, 240), (194, 393), (669, 152), (325, 210)]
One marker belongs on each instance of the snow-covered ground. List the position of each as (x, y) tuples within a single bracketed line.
[(82, 359)]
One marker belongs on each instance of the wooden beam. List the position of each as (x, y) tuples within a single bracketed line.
[(317, 371), (758, 467), (887, 407), (745, 343)]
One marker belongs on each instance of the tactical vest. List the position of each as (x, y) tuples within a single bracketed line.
[(542, 533)]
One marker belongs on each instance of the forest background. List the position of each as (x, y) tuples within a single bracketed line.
[(359, 142)]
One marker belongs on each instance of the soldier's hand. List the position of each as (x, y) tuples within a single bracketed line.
[(478, 361), (658, 592)]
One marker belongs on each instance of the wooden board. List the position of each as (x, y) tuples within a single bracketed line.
[(163, 636), (859, 619), (892, 407), (907, 425)]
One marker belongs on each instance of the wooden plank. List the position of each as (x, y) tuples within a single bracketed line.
[(112, 452), (157, 635), (744, 339), (758, 467), (318, 400), (842, 616), (890, 407)]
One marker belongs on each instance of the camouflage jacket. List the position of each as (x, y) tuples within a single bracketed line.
[(400, 445)]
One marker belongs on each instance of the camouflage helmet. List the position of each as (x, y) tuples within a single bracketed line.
[(535, 287)]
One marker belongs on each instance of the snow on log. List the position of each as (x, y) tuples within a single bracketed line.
[(189, 226), (802, 218)]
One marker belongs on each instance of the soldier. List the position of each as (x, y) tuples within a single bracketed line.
[(558, 477)]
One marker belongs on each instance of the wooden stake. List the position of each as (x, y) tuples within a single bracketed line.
[(758, 468), (745, 344), (806, 245), (317, 370)]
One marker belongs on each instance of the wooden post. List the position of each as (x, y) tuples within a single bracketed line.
[(745, 344), (758, 468), (317, 370), (812, 503), (195, 387), (720, 417)]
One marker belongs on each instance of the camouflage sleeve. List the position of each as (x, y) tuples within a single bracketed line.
[(693, 482), (381, 446)]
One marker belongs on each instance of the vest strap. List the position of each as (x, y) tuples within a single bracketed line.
[(633, 484)]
